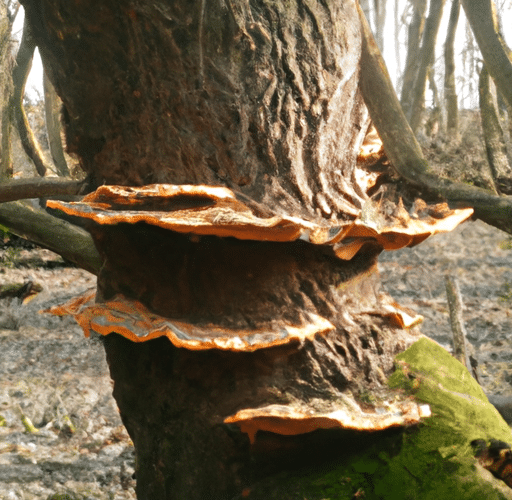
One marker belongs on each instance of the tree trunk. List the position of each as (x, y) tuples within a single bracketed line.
[(435, 116), (398, 49), (5, 92), (493, 134), (483, 19), (450, 91), (426, 58), (380, 21), (256, 97), (52, 108), (19, 76), (414, 35)]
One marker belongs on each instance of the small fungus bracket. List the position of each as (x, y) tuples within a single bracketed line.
[(392, 410), (134, 321)]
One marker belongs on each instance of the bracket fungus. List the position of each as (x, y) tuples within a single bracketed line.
[(239, 224), (227, 277)]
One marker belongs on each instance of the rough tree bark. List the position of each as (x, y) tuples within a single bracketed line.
[(254, 113)]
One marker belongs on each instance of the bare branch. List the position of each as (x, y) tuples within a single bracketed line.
[(19, 189), (403, 149), (70, 241), (456, 322)]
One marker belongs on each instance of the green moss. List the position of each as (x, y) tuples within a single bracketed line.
[(460, 409), (431, 461)]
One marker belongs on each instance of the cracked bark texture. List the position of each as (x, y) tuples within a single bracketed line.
[(262, 97), (256, 96)]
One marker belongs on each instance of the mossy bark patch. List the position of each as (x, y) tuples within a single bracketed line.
[(431, 461)]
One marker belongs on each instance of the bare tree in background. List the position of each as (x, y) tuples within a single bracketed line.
[(398, 48), (7, 15), (380, 21), (52, 109), (414, 36), (450, 91), (426, 59), (483, 18), (493, 133)]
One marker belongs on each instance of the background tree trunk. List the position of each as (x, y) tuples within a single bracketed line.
[(52, 108), (5, 91), (493, 134), (414, 36), (19, 77), (380, 21), (450, 91), (482, 17), (426, 58)]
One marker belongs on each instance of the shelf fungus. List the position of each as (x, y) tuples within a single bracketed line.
[(210, 270), (134, 321), (208, 210), (299, 418)]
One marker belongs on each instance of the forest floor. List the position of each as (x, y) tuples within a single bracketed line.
[(58, 379)]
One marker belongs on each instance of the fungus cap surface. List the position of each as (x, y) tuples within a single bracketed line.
[(208, 210), (301, 417), (134, 321)]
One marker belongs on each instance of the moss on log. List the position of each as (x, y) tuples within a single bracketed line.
[(431, 461)]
